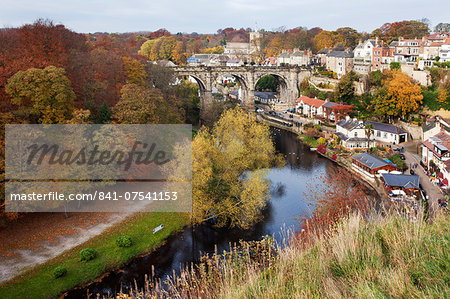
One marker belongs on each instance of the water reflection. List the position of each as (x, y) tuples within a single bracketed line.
[(288, 187)]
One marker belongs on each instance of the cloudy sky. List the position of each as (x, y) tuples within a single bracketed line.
[(206, 16)]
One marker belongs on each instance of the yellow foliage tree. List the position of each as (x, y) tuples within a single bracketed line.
[(404, 93), (136, 73), (229, 182), (324, 39)]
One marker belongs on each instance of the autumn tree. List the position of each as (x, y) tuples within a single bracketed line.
[(384, 105), (137, 105), (404, 93), (136, 73), (188, 91), (229, 183), (324, 39), (46, 93), (43, 44)]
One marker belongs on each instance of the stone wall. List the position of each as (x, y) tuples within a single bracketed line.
[(414, 131)]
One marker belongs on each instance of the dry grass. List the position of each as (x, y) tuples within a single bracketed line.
[(387, 256)]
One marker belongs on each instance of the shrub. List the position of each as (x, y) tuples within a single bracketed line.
[(322, 141), (322, 149), (124, 241), (59, 272), (88, 254), (334, 157)]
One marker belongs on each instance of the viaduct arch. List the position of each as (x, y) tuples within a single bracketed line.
[(247, 76)]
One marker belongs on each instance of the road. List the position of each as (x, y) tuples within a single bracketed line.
[(434, 193)]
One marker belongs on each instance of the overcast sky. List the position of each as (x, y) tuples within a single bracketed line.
[(206, 16)]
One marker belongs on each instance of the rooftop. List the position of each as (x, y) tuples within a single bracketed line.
[(311, 102), (370, 161), (341, 54), (401, 180), (386, 127)]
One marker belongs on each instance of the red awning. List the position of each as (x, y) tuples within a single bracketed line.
[(445, 182), (440, 175)]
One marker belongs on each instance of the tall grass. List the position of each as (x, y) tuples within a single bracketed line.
[(389, 256)]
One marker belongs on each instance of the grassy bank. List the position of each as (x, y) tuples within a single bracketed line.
[(383, 258), (39, 282)]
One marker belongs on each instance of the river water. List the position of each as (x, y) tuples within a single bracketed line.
[(289, 201)]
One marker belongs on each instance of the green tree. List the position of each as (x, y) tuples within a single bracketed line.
[(104, 114), (344, 91), (395, 65), (267, 83), (188, 92), (229, 184), (46, 94)]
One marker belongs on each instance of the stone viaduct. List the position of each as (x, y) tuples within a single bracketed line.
[(247, 76)]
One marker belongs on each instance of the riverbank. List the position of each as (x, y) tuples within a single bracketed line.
[(341, 162), (386, 257), (39, 282)]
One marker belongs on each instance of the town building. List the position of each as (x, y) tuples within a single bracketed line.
[(320, 58), (406, 50), (444, 51), (436, 154), (340, 62), (270, 61), (382, 57), (333, 111), (295, 57), (409, 184), (352, 134), (310, 107), (264, 97), (234, 62), (242, 48), (362, 56), (371, 165), (388, 133)]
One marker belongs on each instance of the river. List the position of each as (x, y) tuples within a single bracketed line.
[(289, 186)]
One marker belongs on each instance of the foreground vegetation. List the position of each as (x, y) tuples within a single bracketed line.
[(40, 282), (382, 257)]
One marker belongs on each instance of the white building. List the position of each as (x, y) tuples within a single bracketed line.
[(352, 134), (362, 56), (296, 57), (444, 51), (310, 107), (388, 133)]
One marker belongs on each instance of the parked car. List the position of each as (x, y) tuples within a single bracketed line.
[(412, 172), (271, 112), (259, 110), (291, 116)]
